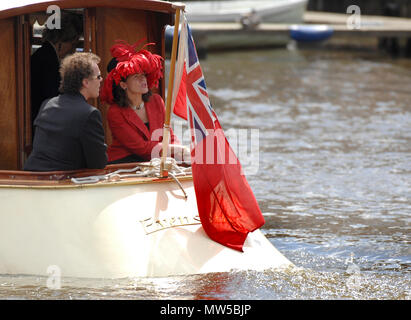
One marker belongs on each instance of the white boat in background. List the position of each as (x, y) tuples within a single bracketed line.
[(240, 24), (274, 11)]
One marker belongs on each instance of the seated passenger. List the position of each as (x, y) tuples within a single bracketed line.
[(136, 116), (45, 62), (69, 132)]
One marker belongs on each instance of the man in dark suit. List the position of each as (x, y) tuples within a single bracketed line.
[(69, 132), (45, 62)]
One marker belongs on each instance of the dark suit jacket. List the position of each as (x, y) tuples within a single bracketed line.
[(131, 136), (45, 77), (69, 136)]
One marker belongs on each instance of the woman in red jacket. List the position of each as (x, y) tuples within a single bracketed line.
[(136, 116)]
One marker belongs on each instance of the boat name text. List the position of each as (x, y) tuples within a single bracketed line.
[(151, 225)]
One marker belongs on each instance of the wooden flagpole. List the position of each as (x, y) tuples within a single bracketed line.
[(166, 129)]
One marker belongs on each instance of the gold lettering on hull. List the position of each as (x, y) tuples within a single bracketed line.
[(150, 225)]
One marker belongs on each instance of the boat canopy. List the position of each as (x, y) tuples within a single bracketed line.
[(104, 21)]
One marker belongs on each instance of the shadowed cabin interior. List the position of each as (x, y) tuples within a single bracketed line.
[(21, 36)]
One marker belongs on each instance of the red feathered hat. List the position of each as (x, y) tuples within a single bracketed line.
[(130, 61)]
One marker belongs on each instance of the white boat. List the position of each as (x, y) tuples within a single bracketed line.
[(241, 24), (278, 11), (122, 227), (118, 223)]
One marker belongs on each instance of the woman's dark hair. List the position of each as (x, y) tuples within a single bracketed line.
[(120, 95), (111, 65), (74, 68)]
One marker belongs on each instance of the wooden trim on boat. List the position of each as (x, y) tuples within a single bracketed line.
[(20, 87), (9, 140), (27, 132), (23, 46), (62, 179), (159, 6), (67, 184)]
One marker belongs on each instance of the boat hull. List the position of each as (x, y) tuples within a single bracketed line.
[(115, 230)]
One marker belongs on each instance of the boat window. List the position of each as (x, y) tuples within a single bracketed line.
[(54, 32), (38, 22)]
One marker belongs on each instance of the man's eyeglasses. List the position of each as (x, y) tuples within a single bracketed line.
[(98, 77)]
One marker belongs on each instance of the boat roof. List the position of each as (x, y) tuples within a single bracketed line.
[(13, 8)]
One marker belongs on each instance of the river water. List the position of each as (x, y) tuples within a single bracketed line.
[(332, 176)]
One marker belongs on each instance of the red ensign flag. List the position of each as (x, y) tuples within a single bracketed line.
[(227, 207)]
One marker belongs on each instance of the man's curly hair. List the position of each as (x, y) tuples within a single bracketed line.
[(74, 68)]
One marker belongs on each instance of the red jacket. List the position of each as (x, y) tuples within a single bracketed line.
[(131, 136)]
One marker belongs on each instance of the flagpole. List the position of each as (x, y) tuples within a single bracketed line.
[(166, 129)]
